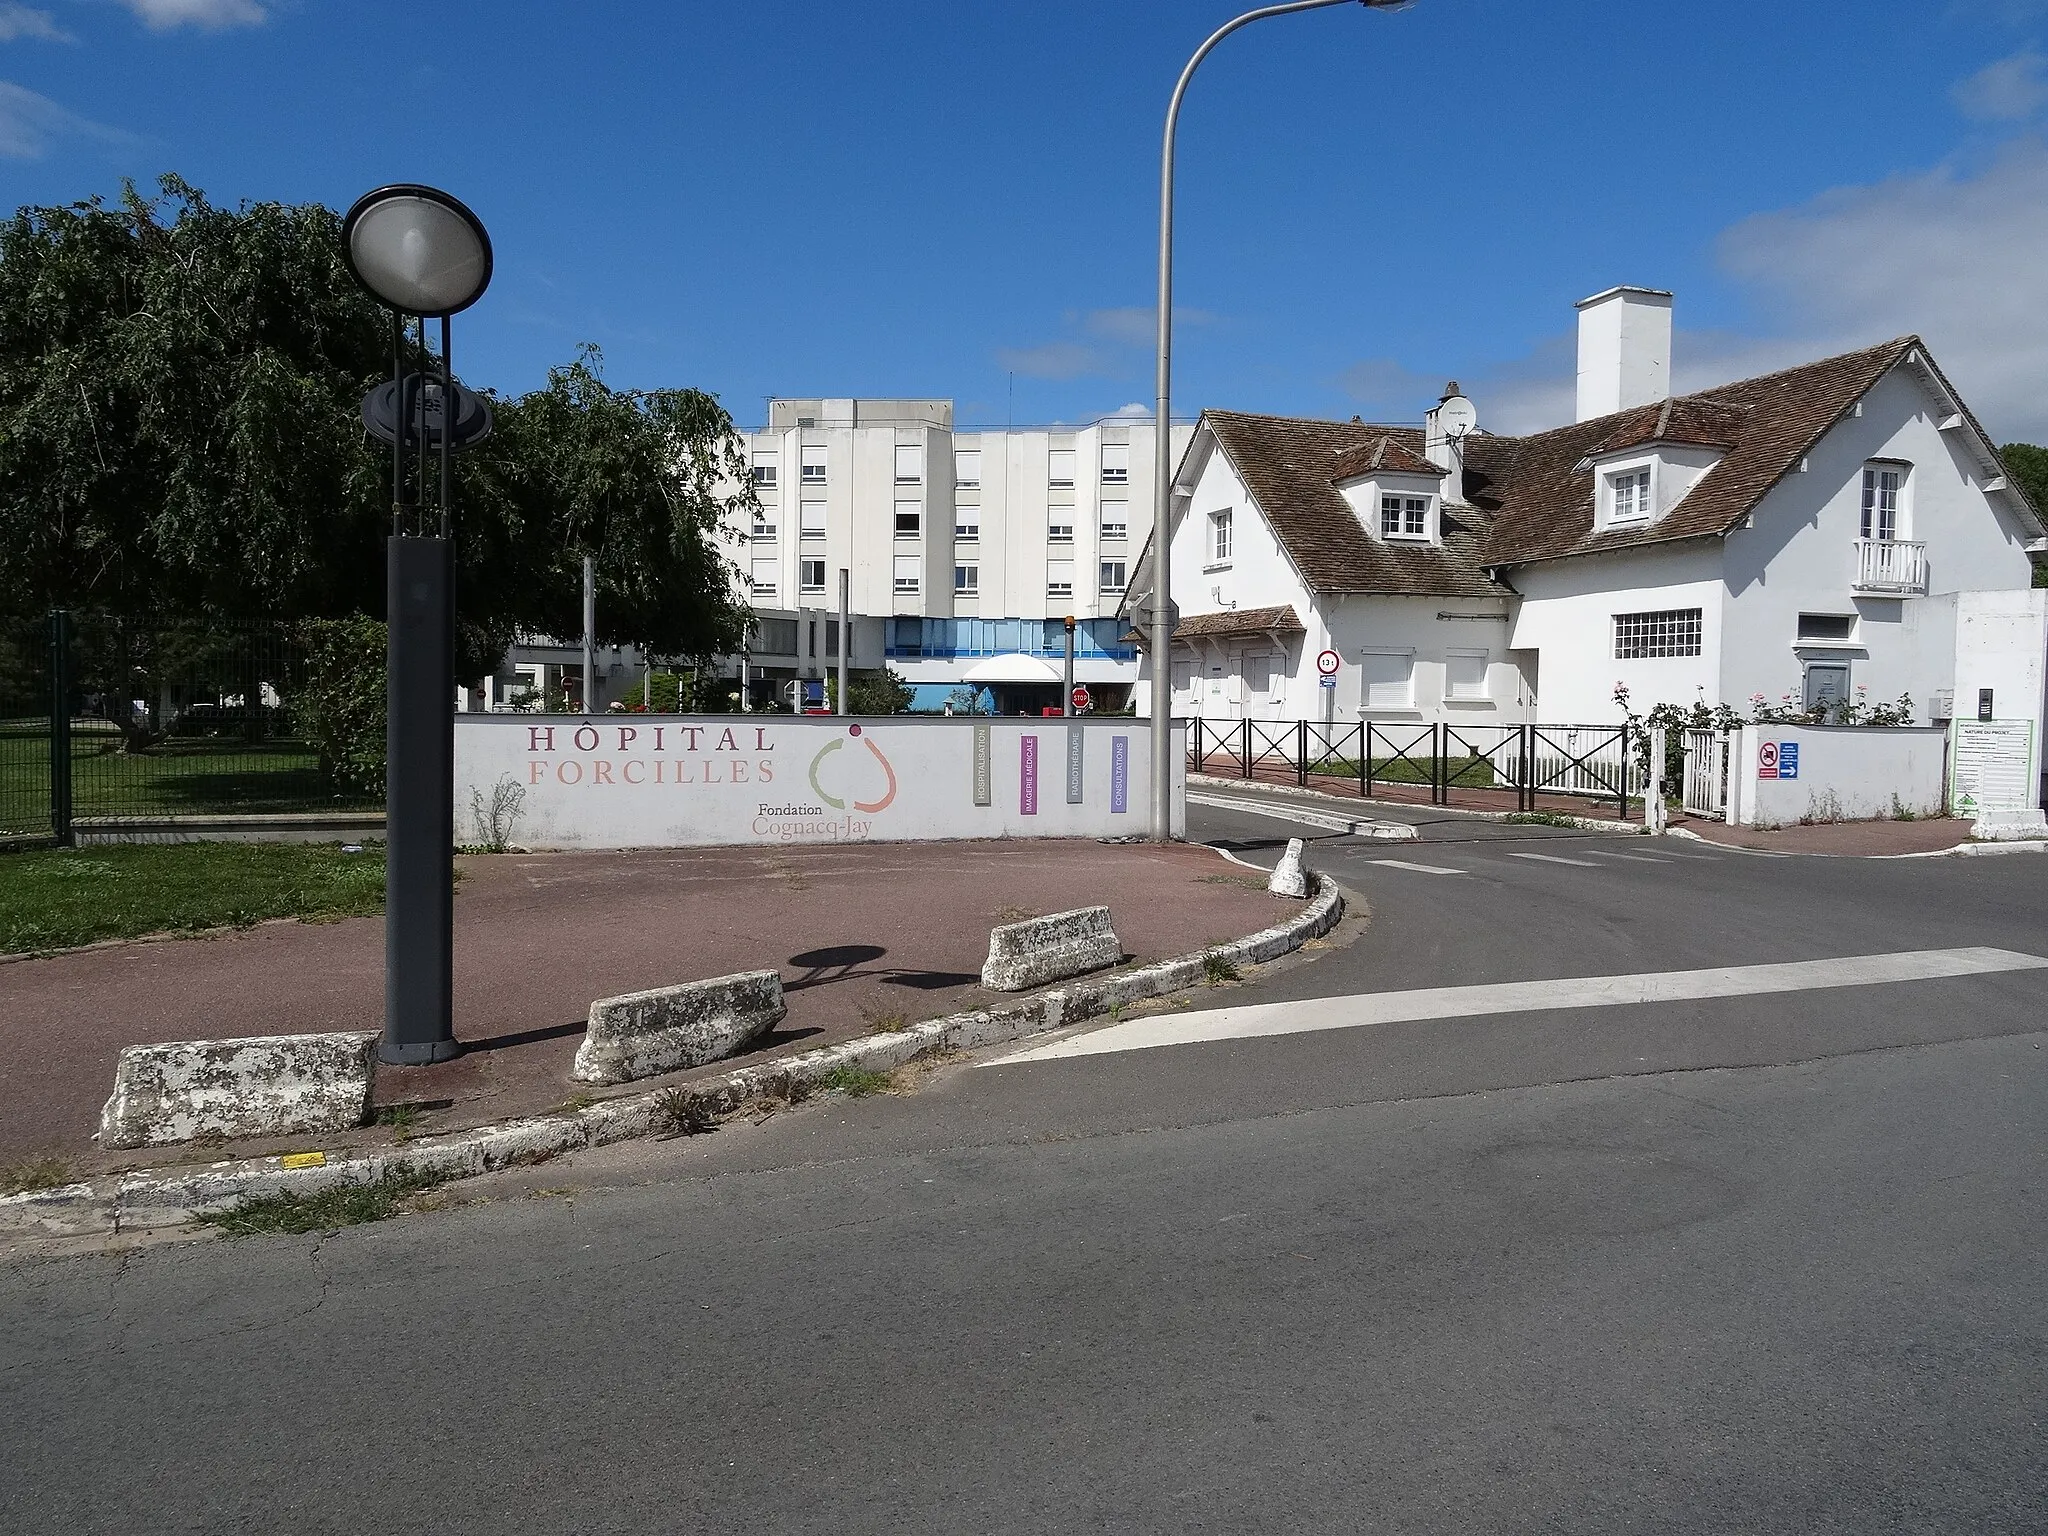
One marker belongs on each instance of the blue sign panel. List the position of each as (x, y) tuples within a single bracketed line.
[(1788, 759)]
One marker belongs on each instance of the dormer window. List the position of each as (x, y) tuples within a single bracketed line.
[(1628, 496), (1404, 517)]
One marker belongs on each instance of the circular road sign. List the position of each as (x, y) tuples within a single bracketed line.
[(1327, 663), (1081, 696)]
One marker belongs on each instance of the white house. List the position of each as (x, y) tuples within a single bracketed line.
[(1838, 526)]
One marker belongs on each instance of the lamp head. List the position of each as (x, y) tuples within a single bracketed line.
[(417, 249)]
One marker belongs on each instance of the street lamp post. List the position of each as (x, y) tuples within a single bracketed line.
[(427, 257), (1162, 471)]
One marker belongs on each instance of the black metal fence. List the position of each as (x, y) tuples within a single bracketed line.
[(108, 722), (1508, 764)]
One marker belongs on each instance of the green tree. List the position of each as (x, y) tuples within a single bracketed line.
[(179, 436), (2028, 465), (871, 693)]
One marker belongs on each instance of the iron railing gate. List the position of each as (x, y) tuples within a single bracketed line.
[(110, 722), (1521, 763)]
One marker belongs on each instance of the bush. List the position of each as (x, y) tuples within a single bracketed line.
[(871, 693), (340, 707)]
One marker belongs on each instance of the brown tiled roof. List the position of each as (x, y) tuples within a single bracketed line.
[(1289, 465), (1384, 453), (1239, 621), (1531, 498), (1539, 489)]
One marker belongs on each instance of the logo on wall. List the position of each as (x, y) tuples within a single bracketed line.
[(838, 803)]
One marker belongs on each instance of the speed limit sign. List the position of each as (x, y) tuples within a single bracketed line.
[(1327, 663)]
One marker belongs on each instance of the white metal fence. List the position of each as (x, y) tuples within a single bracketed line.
[(1706, 773)]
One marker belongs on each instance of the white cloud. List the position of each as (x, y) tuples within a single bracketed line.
[(1137, 410), (1055, 360), (1954, 254), (2010, 90), (29, 123), (208, 15), (26, 21)]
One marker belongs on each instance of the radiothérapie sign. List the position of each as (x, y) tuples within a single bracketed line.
[(641, 781)]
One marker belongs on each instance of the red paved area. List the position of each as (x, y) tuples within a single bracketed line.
[(1853, 839), (865, 936)]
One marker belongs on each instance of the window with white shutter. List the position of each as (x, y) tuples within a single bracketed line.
[(909, 464), (1388, 679)]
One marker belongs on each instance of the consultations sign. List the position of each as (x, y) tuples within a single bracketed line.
[(638, 781)]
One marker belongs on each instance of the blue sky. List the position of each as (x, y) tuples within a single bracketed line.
[(959, 200)]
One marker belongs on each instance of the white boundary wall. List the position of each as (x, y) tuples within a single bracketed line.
[(1849, 772), (654, 781)]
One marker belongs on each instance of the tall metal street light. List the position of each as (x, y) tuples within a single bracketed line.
[(1162, 469), (427, 257)]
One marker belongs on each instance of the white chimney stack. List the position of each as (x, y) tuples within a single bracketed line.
[(1624, 350)]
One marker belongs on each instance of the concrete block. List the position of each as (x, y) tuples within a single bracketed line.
[(1289, 878), (271, 1085), (642, 1034), (2015, 826), (1042, 949)]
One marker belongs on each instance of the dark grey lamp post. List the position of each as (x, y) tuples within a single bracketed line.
[(427, 257)]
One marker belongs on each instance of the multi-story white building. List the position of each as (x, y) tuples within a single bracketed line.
[(966, 548)]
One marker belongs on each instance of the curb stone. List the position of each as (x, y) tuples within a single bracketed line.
[(141, 1201), (1961, 850)]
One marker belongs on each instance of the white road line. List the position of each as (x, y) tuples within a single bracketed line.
[(1311, 1015), (1633, 858), (1383, 831), (1420, 869), (1551, 858)]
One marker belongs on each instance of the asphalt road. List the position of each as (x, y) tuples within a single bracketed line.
[(1761, 1264)]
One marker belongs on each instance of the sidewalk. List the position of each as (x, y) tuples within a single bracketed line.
[(866, 936), (1846, 839)]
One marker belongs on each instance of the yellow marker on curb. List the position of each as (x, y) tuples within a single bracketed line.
[(303, 1160)]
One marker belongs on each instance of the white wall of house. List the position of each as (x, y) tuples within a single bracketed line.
[(1799, 557), (1400, 658), (1564, 629)]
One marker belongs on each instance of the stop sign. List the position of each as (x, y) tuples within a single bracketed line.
[(1080, 696)]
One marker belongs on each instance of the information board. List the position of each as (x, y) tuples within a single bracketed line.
[(1991, 766)]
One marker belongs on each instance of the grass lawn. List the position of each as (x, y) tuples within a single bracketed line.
[(58, 897), (195, 777)]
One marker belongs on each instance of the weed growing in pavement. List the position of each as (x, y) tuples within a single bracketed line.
[(883, 1021), (35, 1173), (1541, 819), (855, 1082), (339, 1205), (1902, 811), (400, 1118), (1216, 969), (496, 818), (1114, 1012), (681, 1113), (581, 1099)]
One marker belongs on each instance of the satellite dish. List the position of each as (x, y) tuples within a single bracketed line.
[(1456, 416)]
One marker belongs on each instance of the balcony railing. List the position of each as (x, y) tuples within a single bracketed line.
[(1891, 565)]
